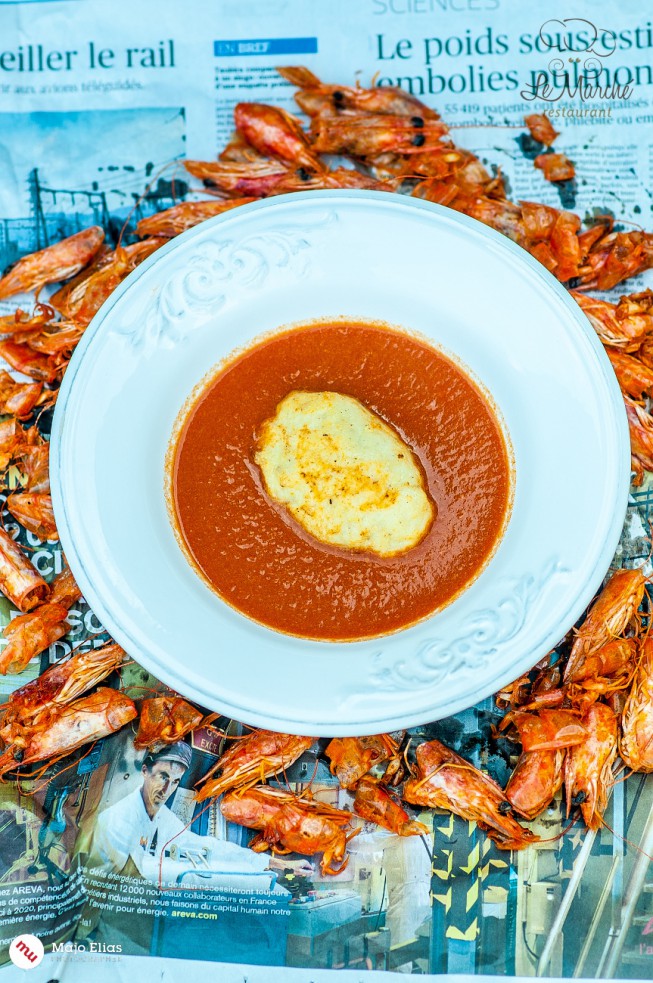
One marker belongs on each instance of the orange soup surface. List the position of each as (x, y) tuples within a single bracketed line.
[(261, 561)]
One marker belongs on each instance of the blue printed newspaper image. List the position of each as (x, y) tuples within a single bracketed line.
[(71, 170)]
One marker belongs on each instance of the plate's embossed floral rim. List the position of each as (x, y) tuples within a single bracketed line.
[(378, 244), (439, 659), (221, 267)]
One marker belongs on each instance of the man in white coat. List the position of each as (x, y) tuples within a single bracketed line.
[(140, 825)]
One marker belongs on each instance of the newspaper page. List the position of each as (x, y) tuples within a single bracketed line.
[(106, 857)]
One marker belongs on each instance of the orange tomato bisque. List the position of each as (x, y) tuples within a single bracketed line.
[(261, 561)]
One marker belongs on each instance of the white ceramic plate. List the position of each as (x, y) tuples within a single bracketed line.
[(325, 254)]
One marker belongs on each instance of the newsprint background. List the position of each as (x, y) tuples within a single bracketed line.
[(98, 105)]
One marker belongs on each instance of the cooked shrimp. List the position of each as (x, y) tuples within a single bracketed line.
[(18, 398), (164, 720), (546, 729), (70, 727), (612, 659), (258, 756), (34, 512), (289, 824), (446, 781), (185, 215), (275, 133), (31, 633), (370, 136), (352, 757), (538, 775), (19, 580), (315, 98), (588, 766), (613, 610), (625, 325), (52, 264), (633, 376), (44, 368), (62, 683), (636, 744), (374, 803), (83, 301), (255, 179)]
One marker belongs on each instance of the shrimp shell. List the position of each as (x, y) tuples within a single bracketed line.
[(556, 167), (636, 744), (541, 129), (52, 264), (613, 610), (19, 580), (31, 633), (588, 767), (625, 325), (288, 823), (185, 215), (164, 720), (633, 376), (60, 684), (374, 803), (70, 727), (275, 133), (447, 781), (34, 512), (538, 775), (258, 756)]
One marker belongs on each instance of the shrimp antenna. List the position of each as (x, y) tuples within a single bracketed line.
[(148, 188), (624, 839)]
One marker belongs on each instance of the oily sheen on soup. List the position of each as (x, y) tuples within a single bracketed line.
[(325, 411)]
